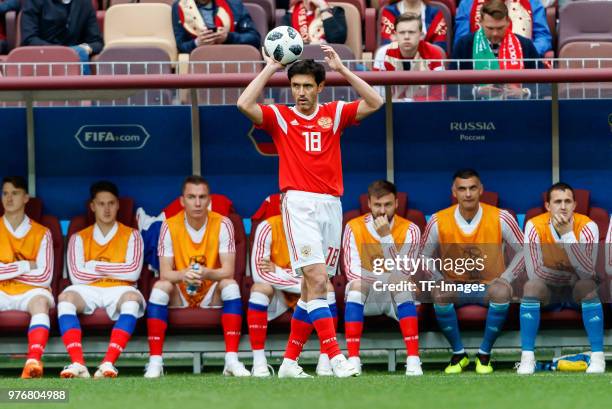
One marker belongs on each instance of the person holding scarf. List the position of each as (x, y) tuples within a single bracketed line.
[(317, 22), (432, 21), (409, 52), (494, 47), (528, 19), (208, 22)]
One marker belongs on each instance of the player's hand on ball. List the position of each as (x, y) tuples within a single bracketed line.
[(266, 265), (381, 225), (332, 58), (270, 61)]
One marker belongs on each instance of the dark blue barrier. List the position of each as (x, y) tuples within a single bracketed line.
[(235, 167), (147, 156), (508, 143), (13, 141), (586, 147)]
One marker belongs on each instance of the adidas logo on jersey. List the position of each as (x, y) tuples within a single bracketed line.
[(294, 122)]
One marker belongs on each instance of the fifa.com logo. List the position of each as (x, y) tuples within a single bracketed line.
[(459, 266)]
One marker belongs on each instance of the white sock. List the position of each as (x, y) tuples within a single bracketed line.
[(231, 292), (66, 308), (259, 299), (355, 296), (231, 357), (288, 361), (130, 308), (259, 357), (159, 297), (42, 319), (156, 359), (324, 359), (527, 354)]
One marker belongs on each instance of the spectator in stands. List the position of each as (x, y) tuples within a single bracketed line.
[(483, 236), (528, 19), (370, 241), (197, 254), (493, 47), (208, 22), (317, 22), (5, 7), (409, 45), (561, 255), (433, 23), (71, 23)]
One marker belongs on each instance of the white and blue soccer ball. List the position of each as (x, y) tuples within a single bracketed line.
[(284, 44)]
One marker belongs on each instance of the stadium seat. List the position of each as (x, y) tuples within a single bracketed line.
[(140, 25), (168, 2), (354, 38), (586, 54), (269, 7), (187, 319), (33, 61), (260, 19), (13, 32), (136, 60), (585, 21), (224, 58), (17, 322)]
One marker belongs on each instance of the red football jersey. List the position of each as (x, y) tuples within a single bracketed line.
[(309, 146)]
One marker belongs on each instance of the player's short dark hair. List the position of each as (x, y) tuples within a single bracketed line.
[(466, 173), (103, 186), (495, 8), (18, 182), (559, 186), (405, 17), (194, 180), (380, 188), (308, 67)]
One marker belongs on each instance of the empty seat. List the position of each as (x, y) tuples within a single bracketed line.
[(17, 322), (586, 54), (136, 60), (585, 21), (260, 19), (33, 61), (140, 25), (268, 6), (218, 59)]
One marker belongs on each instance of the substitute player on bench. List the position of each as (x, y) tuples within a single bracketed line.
[(104, 262), (307, 137), (26, 264), (475, 231)]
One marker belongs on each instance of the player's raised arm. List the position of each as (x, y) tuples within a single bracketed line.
[(247, 103), (372, 101)]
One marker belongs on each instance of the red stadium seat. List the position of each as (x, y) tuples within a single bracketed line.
[(259, 17), (17, 321), (269, 7)]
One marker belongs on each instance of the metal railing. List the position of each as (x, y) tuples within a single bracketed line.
[(417, 90)]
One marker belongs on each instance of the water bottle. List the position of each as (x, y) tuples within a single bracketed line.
[(192, 289)]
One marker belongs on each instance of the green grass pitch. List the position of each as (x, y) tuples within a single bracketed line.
[(373, 390)]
